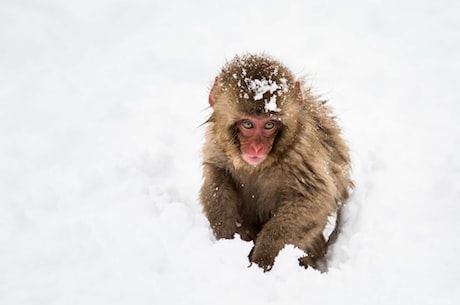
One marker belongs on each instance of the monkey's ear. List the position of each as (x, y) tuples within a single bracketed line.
[(298, 91), (212, 93)]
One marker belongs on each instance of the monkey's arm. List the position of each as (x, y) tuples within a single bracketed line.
[(219, 200), (298, 223)]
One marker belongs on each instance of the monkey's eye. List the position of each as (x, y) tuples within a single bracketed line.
[(246, 124), (269, 125)]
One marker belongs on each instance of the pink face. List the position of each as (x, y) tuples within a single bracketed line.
[(256, 137)]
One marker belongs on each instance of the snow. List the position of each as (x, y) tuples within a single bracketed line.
[(272, 105), (262, 86), (100, 127), (258, 87)]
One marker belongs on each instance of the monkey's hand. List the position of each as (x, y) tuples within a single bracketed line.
[(219, 200), (224, 230), (222, 215), (265, 251), (294, 224)]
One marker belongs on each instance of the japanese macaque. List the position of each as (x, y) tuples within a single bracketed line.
[(274, 165)]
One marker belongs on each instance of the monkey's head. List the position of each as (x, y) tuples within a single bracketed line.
[(256, 102)]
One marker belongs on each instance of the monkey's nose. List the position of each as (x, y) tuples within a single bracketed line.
[(256, 148)]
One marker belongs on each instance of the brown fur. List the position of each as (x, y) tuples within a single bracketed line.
[(288, 198)]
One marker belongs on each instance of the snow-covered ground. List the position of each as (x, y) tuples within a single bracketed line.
[(101, 106)]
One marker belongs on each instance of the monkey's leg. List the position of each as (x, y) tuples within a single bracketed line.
[(315, 254), (220, 201), (247, 231)]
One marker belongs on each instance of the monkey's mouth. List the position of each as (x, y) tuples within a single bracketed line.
[(254, 159)]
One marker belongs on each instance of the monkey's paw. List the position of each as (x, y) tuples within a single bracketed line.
[(224, 230), (264, 258)]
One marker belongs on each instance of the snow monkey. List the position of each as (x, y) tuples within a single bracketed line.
[(274, 164)]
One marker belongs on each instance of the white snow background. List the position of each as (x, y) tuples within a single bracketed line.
[(101, 106)]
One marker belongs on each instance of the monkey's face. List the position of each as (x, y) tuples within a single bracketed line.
[(256, 136), (256, 102)]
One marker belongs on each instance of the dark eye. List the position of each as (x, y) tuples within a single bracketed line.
[(269, 125), (246, 124)]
